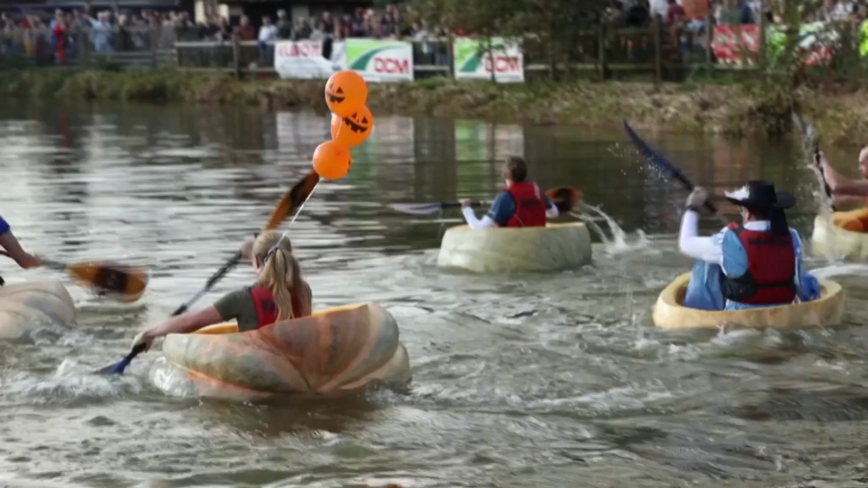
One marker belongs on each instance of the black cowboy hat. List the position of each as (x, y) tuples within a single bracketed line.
[(760, 195)]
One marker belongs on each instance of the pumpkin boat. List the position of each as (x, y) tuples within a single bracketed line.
[(836, 236), (334, 351), (670, 312), (503, 249), (26, 306)]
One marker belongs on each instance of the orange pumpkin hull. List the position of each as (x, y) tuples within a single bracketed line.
[(335, 351)]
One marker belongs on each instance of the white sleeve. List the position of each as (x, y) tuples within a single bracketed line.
[(552, 211), (707, 249), (473, 222)]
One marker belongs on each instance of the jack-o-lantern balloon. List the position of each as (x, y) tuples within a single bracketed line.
[(353, 130), (332, 160), (346, 92)]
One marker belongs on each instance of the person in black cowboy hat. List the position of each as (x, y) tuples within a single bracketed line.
[(752, 265)]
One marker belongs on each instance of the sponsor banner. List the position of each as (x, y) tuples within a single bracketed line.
[(473, 62), (304, 59), (380, 60), (734, 44)]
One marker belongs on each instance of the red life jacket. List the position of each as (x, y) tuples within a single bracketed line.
[(530, 207), (266, 309), (771, 267)]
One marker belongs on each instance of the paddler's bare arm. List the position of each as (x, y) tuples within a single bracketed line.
[(842, 186), (16, 252), (182, 324)]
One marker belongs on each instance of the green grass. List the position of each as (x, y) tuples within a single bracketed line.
[(725, 104)]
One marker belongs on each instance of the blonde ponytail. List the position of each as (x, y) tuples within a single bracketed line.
[(280, 271)]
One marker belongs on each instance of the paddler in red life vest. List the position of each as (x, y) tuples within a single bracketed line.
[(11, 245), (280, 294), (753, 265), (521, 204)]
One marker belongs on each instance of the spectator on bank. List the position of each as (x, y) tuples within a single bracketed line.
[(638, 15), (328, 22), (301, 30), (344, 27), (224, 31), (101, 32), (357, 25), (267, 34), (59, 35), (319, 32), (674, 13), (284, 26), (659, 8), (244, 30)]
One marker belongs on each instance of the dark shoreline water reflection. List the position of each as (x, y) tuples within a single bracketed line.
[(519, 380)]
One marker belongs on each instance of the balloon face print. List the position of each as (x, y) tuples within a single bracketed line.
[(360, 121), (346, 92), (353, 130)]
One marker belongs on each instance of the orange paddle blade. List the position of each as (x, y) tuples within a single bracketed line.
[(292, 200), (128, 283), (564, 198)]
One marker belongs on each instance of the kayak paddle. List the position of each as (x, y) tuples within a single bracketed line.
[(564, 198), (812, 141), (127, 283), (292, 199), (661, 163)]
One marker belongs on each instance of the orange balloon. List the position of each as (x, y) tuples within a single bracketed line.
[(346, 92), (353, 130), (332, 160)]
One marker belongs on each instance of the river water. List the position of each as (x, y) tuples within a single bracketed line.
[(518, 380)]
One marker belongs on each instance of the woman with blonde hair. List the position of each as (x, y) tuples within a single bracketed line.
[(280, 293)]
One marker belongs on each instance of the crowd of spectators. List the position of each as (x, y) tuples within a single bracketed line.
[(107, 31), (686, 20)]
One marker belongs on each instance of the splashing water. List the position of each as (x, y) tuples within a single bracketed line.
[(618, 244), (70, 383), (823, 201)]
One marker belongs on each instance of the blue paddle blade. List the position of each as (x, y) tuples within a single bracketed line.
[(663, 164), (120, 366), (657, 159), (117, 368)]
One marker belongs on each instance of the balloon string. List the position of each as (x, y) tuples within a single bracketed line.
[(340, 126), (276, 245)]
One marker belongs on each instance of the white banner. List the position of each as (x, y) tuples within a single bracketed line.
[(473, 62), (304, 59), (380, 60)]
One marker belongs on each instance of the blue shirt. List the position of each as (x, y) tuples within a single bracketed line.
[(503, 208), (4, 226)]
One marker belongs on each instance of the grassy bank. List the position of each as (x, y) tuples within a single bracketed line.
[(732, 109)]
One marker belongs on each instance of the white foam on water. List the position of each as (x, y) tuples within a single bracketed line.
[(619, 243), (71, 381), (840, 270)]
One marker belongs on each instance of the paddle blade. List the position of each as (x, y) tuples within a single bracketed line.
[(663, 164), (120, 366), (127, 283), (656, 158), (564, 198), (292, 200)]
